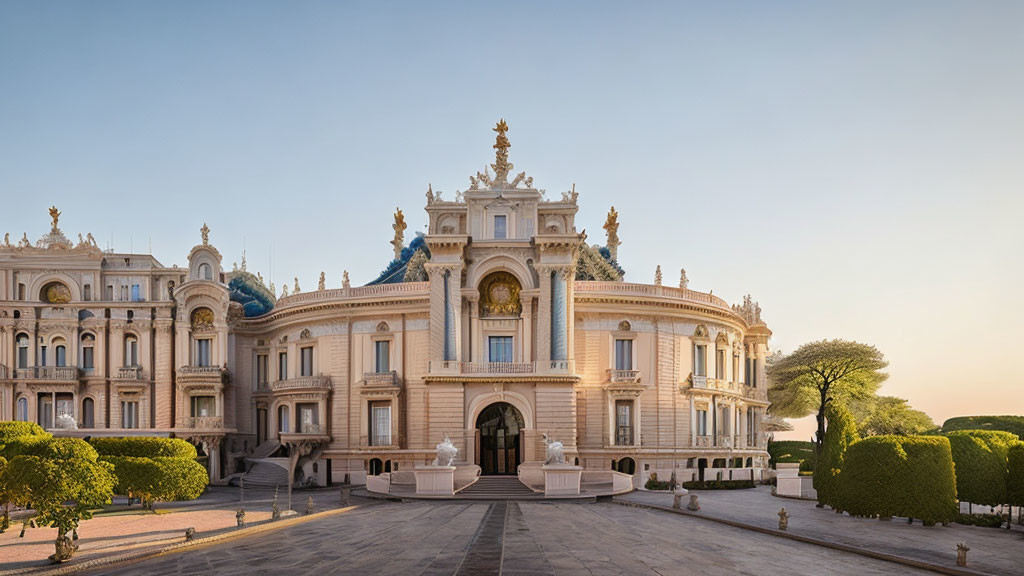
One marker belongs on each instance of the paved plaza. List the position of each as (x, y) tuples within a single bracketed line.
[(511, 538)]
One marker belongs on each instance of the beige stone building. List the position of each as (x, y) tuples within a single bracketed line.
[(499, 325)]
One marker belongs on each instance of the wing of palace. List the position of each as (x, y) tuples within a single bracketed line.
[(499, 325)]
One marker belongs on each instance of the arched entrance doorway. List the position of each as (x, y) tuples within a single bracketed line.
[(499, 427)]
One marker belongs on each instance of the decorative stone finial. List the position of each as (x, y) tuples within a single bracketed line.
[(243, 260), (205, 231), (683, 280), (284, 291), (501, 145), (399, 226), (321, 286), (55, 215), (296, 289), (344, 280), (657, 276), (611, 226), (430, 194)]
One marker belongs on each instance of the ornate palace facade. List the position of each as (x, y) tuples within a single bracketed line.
[(499, 325)]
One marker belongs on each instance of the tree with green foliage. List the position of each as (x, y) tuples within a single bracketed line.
[(63, 481), (154, 469), (981, 464), (819, 373), (5, 522), (883, 415), (1015, 475), (841, 433), (14, 431), (1014, 424)]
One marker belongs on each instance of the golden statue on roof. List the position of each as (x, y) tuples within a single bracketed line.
[(54, 214)]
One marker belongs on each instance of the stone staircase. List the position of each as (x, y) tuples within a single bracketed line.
[(498, 488), (266, 474)]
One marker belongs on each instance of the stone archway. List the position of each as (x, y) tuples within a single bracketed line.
[(500, 432)]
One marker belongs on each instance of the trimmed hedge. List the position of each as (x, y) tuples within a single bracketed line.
[(841, 432), (1015, 475), (158, 479), (909, 476), (980, 459), (144, 447), (718, 484), (1011, 424), (791, 451), (17, 431)]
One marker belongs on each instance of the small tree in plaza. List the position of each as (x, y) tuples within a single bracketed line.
[(820, 373), (63, 481), (841, 433)]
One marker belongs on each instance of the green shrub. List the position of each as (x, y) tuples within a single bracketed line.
[(184, 478), (718, 484), (841, 432), (909, 476), (158, 479), (1012, 424), (144, 447), (980, 459), (808, 465), (791, 451), (11, 432), (983, 520), (1015, 475), (654, 484)]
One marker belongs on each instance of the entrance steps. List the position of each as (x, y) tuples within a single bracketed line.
[(498, 488)]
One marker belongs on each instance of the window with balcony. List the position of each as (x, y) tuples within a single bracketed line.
[(309, 418), (202, 353), (22, 350), (306, 361), (499, 349), (136, 294), (42, 356), (382, 356), (380, 423), (88, 346), (262, 365), (131, 351), (282, 419), (623, 354), (22, 409), (60, 352), (700, 359), (203, 406), (500, 227), (282, 366), (720, 364), (623, 422), (702, 422), (129, 414)]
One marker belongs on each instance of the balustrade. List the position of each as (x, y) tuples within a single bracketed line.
[(483, 368), (322, 382), (702, 441), (129, 373), (203, 422), (47, 373), (623, 376), (381, 378)]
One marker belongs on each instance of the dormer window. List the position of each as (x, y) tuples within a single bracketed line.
[(205, 272), (500, 227)]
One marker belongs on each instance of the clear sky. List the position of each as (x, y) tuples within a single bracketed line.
[(858, 167)]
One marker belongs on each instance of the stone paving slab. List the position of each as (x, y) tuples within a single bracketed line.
[(993, 551)]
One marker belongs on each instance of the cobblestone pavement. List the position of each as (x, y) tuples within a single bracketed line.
[(513, 538), (995, 551), (113, 532)]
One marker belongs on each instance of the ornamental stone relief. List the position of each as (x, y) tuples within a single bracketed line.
[(499, 295)]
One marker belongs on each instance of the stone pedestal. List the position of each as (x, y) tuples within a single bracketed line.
[(435, 480), (562, 479), (789, 483)]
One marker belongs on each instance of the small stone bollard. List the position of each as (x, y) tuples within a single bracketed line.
[(783, 519), (961, 554), (309, 505), (275, 512), (346, 493), (240, 517), (190, 534), (694, 504)]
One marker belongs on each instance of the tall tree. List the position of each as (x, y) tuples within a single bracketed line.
[(842, 431), (819, 373), (889, 415)]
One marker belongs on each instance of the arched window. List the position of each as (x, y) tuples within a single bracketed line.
[(376, 467), (22, 409), (131, 350), (88, 413), (88, 345), (22, 350), (205, 272), (60, 352), (282, 419)]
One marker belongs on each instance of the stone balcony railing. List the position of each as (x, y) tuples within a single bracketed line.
[(628, 288), (203, 423), (59, 373), (310, 430), (375, 290), (389, 378), (624, 376), (702, 441), (502, 368), (129, 373), (302, 382), (200, 370), (3, 372)]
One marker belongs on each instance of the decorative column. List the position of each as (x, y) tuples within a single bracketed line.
[(693, 421), (162, 372), (558, 311), (544, 314)]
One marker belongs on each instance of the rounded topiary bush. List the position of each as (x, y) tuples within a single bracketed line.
[(1015, 475), (909, 476), (184, 478), (144, 447), (980, 457)]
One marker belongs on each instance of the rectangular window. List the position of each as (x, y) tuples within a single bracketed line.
[(110, 293), (21, 291), (282, 366), (87, 358), (136, 296), (623, 422), (261, 369), (500, 227), (702, 422), (306, 359), (129, 414), (124, 293), (87, 293), (42, 355), (499, 349), (382, 356), (700, 360), (380, 423), (203, 406), (23, 356), (309, 418), (735, 368), (202, 352), (131, 353), (623, 354), (720, 364)]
